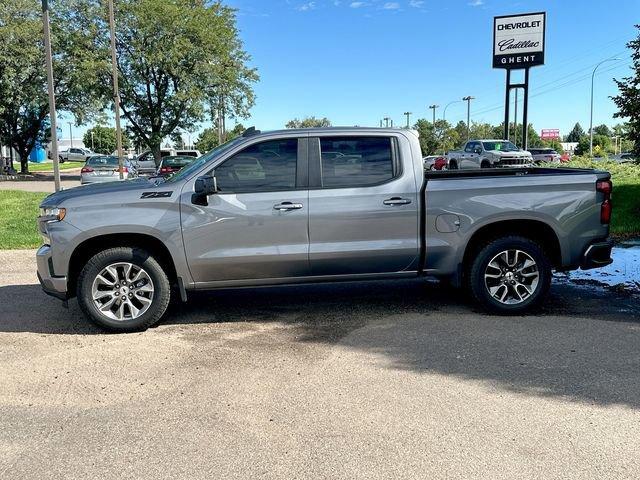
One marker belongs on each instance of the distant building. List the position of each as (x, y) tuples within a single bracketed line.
[(569, 147)]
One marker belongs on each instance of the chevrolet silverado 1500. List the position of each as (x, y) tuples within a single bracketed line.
[(318, 205)]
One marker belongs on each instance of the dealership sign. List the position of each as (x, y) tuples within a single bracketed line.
[(518, 40), (550, 134)]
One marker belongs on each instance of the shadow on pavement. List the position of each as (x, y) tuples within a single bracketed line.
[(583, 346)]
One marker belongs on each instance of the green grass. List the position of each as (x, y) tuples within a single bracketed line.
[(18, 213), (626, 193), (48, 166)]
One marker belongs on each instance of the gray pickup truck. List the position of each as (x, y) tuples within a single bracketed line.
[(488, 154), (315, 205)]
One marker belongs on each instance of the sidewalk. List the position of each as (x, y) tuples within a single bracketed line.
[(43, 182)]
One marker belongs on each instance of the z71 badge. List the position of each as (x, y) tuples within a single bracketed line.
[(156, 194)]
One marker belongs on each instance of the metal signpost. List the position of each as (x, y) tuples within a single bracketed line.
[(518, 44)]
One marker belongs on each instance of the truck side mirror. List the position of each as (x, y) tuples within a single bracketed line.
[(204, 186), (477, 150)]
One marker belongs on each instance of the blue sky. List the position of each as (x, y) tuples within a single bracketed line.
[(356, 62)]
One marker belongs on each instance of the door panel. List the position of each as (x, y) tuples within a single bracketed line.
[(256, 226), (364, 229)]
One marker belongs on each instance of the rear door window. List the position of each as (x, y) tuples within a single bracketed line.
[(357, 161)]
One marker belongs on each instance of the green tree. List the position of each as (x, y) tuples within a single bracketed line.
[(601, 145), (628, 99), (575, 134), (602, 130), (176, 59), (208, 138), (102, 139), (309, 122), (24, 106)]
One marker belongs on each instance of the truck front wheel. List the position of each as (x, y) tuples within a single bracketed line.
[(123, 289), (510, 275)]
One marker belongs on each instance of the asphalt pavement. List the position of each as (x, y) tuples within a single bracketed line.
[(402, 379)]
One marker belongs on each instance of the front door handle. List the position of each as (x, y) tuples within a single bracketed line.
[(397, 201), (287, 206)]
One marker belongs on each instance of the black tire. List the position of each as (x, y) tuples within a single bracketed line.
[(485, 164), (480, 288), (61, 160), (139, 258)]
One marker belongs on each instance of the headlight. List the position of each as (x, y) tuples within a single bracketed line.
[(53, 214)]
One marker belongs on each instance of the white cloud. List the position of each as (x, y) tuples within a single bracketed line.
[(416, 3), (306, 6), (476, 3), (357, 4), (391, 6)]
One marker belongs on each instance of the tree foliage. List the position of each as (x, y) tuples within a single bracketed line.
[(208, 138), (176, 59), (24, 106), (102, 139), (309, 122), (628, 100), (575, 134)]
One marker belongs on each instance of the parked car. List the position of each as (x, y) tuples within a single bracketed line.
[(544, 155), (488, 154), (75, 154), (105, 168), (270, 208), (188, 153), (434, 162), (172, 164), (146, 162), (626, 157)]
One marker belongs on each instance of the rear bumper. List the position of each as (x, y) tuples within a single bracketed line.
[(52, 285), (596, 255)]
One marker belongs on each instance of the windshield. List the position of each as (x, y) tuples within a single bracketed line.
[(500, 146), (200, 162), (103, 161)]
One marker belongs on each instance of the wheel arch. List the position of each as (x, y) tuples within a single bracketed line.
[(90, 246)]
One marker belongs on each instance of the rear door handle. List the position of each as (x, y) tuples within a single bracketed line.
[(287, 206), (397, 201)]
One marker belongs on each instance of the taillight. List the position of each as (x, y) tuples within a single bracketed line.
[(605, 187), (86, 170), (165, 170), (124, 170)]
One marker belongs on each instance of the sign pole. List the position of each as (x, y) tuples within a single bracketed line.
[(525, 111), (506, 105)]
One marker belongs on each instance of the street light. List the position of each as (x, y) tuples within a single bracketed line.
[(408, 114), (468, 100), (70, 135), (433, 107), (591, 120), (444, 112)]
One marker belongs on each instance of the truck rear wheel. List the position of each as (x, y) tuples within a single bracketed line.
[(510, 275), (123, 289)]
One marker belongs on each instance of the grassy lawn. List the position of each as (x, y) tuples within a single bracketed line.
[(18, 219), (48, 166), (626, 194)]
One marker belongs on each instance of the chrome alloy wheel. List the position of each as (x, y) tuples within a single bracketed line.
[(511, 277), (122, 291)]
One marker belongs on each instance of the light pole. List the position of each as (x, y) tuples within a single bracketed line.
[(52, 97), (444, 112), (408, 114), (433, 107), (468, 99), (593, 74), (70, 135), (92, 147), (116, 93), (386, 122)]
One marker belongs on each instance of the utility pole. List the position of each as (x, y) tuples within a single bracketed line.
[(380, 123), (408, 114), (444, 112), (468, 99), (433, 107), (92, 147), (392, 123), (116, 93), (70, 134), (52, 98), (386, 122), (591, 121), (515, 121)]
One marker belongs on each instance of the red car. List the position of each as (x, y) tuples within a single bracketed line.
[(172, 164)]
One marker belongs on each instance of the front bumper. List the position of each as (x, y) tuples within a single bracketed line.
[(52, 285), (596, 255)]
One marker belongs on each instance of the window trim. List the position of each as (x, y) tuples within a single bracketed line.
[(301, 174), (315, 162)]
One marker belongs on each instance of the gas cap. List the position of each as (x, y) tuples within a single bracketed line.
[(447, 223)]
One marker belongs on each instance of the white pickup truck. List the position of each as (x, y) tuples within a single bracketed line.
[(488, 154)]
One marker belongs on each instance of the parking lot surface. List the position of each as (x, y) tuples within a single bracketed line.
[(399, 379)]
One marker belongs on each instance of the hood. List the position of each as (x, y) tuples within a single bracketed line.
[(55, 199)]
